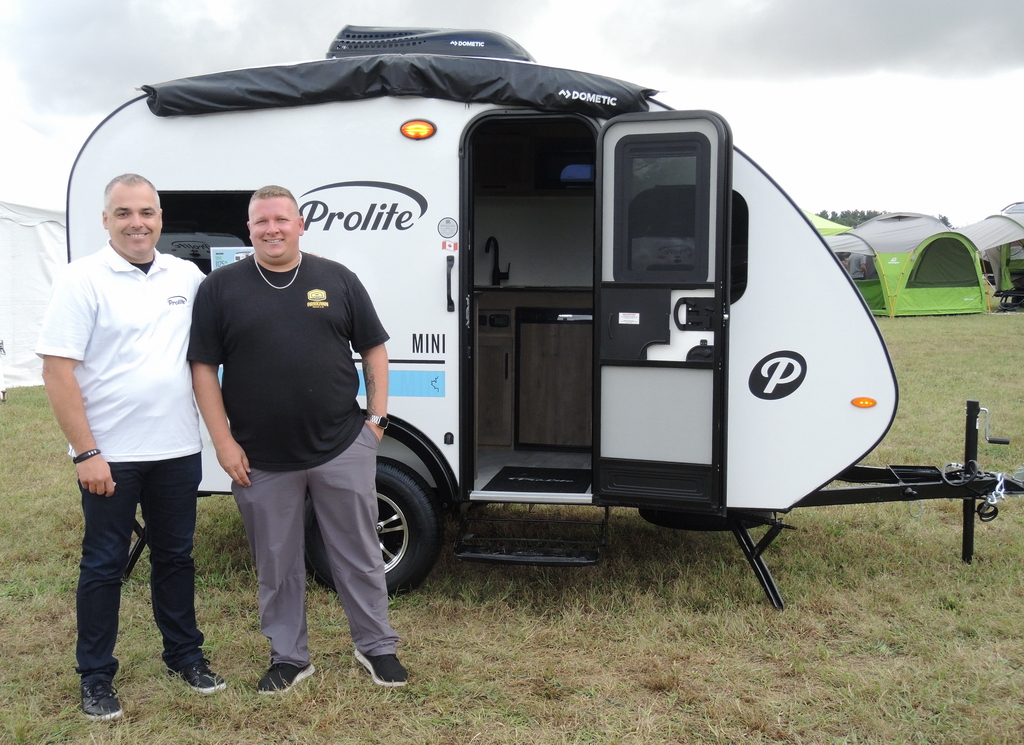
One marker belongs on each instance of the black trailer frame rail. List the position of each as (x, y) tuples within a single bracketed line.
[(979, 491)]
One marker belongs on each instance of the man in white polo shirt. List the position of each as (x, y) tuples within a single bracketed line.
[(113, 345)]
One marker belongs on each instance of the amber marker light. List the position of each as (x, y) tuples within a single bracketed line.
[(863, 402), (418, 129)]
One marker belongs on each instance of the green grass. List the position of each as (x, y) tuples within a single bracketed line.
[(887, 636)]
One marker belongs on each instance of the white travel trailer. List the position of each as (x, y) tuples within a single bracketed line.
[(585, 290)]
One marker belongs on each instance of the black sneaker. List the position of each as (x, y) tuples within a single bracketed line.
[(99, 701), (385, 669), (281, 676), (200, 677)]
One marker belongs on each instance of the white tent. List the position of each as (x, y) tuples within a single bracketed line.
[(33, 184), (1000, 239), (33, 245)]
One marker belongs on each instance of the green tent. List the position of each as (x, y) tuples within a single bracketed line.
[(825, 227), (913, 265)]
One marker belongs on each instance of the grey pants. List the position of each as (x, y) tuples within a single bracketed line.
[(344, 497)]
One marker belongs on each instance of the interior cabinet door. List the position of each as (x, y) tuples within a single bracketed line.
[(494, 391), (555, 390)]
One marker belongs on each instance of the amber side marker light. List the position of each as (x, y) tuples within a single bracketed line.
[(863, 402), (418, 129)]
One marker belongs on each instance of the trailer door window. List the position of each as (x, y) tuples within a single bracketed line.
[(661, 190)]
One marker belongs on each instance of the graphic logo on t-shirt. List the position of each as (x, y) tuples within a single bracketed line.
[(317, 299), (177, 300)]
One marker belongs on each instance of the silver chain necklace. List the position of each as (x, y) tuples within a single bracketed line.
[(283, 287)]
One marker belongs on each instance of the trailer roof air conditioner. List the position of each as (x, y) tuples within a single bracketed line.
[(357, 41)]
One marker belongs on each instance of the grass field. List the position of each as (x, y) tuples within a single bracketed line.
[(887, 636)]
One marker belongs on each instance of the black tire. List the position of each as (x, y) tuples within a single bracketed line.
[(409, 527)]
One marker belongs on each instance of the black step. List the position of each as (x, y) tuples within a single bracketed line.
[(532, 557), (500, 534)]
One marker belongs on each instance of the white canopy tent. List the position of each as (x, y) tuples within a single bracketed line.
[(894, 232), (33, 243), (33, 246), (1000, 239)]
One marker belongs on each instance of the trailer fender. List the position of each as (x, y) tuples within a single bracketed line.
[(430, 457)]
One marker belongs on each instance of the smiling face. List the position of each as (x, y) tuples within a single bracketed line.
[(274, 227), (133, 218)]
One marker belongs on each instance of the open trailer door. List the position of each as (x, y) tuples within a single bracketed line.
[(661, 316)]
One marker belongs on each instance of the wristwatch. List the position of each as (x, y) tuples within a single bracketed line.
[(380, 421)]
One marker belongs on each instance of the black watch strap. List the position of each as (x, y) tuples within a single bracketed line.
[(84, 456)]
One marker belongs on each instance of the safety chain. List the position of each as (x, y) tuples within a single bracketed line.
[(958, 474)]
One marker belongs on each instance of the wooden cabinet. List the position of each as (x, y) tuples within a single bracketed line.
[(494, 389), (495, 371), (554, 384), (534, 368)]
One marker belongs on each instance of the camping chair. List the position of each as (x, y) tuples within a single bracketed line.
[(135, 551), (1009, 300)]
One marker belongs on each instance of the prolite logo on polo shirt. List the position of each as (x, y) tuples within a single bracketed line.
[(177, 300), (317, 299)]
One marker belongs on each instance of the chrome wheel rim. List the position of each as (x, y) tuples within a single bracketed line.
[(392, 531)]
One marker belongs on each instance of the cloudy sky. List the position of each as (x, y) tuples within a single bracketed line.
[(896, 105)]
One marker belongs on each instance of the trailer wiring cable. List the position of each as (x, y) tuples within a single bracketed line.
[(987, 512), (958, 474)]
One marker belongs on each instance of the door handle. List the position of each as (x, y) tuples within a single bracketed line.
[(451, 266), (680, 303)]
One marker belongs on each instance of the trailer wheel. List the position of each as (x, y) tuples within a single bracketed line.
[(409, 528)]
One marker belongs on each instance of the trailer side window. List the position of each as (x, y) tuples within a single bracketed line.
[(199, 224), (738, 252), (661, 187)]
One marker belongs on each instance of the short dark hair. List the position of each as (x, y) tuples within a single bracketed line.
[(272, 192), (128, 179)]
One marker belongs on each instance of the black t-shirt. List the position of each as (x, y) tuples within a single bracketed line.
[(289, 382)]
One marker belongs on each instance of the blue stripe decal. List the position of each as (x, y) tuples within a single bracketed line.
[(411, 383)]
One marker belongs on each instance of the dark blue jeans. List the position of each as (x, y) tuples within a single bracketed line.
[(167, 491)]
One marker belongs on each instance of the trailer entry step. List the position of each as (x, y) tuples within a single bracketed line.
[(536, 535)]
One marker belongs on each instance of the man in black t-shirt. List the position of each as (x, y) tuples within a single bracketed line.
[(284, 325)]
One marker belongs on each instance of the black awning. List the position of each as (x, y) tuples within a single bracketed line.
[(465, 79)]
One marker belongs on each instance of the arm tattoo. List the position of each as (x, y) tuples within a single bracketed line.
[(371, 387)]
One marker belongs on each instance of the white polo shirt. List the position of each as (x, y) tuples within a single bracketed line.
[(129, 331)]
